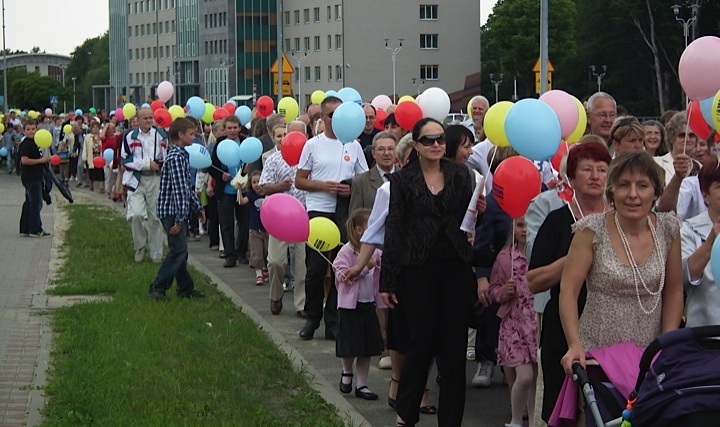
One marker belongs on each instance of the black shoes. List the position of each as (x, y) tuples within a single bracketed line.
[(330, 333), (230, 262), (308, 331), (244, 260), (346, 388), (193, 294), (158, 295), (276, 306), (364, 393)]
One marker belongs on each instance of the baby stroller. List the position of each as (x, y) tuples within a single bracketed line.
[(679, 387)]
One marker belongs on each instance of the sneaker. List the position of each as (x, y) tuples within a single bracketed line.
[(259, 281), (158, 295), (24, 234), (483, 376), (470, 353), (385, 363), (140, 255), (193, 294), (265, 274), (41, 235)]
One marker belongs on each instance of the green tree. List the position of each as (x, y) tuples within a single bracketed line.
[(89, 66), (34, 91)]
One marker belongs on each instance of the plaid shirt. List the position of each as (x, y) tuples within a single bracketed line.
[(276, 170), (177, 195)]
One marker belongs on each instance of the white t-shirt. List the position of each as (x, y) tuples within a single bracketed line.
[(330, 160)]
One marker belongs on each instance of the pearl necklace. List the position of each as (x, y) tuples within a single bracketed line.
[(636, 269)]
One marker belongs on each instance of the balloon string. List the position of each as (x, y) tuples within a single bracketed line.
[(512, 257), (690, 111), (492, 159), (337, 270)]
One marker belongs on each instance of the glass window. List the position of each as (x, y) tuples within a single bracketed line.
[(428, 72), (329, 42), (317, 73), (130, 54), (338, 12), (428, 41), (329, 13), (297, 17), (131, 79), (129, 30), (142, 30), (428, 12), (287, 45), (297, 44), (306, 41), (338, 72), (317, 43), (338, 41), (287, 17), (154, 27), (297, 74), (329, 73), (316, 14), (306, 16), (307, 74)]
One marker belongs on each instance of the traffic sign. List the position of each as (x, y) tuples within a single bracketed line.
[(286, 67), (536, 67), (54, 99), (287, 87), (536, 70)]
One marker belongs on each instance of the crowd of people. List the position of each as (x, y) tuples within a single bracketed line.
[(615, 249)]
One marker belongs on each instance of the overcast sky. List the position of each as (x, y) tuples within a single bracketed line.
[(60, 26)]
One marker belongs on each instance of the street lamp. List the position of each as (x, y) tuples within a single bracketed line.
[(300, 59), (600, 76), (394, 52), (225, 66), (62, 68), (496, 84), (686, 23), (73, 79), (419, 86)]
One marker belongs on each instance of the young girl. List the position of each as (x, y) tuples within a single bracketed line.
[(258, 235), (518, 331), (358, 328)]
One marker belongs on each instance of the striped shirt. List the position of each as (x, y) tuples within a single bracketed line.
[(177, 196)]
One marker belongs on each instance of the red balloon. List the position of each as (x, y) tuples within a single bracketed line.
[(516, 182), (380, 117), (697, 122), (230, 107), (557, 158), (156, 105), (55, 160), (98, 162), (292, 146), (162, 118), (220, 114), (265, 106), (407, 114)]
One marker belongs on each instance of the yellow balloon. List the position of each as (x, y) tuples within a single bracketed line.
[(209, 111), (33, 114), (289, 108), (43, 139), (2, 127), (317, 97), (405, 98), (582, 123), (129, 111), (715, 112), (494, 123), (67, 129), (176, 111), (324, 234)]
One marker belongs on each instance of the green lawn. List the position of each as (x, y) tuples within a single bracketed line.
[(138, 362)]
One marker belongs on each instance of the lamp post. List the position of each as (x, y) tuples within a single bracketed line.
[(62, 68), (300, 59), (600, 76), (419, 86), (225, 66), (5, 92), (73, 79), (496, 83), (394, 52), (686, 24)]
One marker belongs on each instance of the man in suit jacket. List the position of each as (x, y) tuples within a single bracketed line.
[(365, 185)]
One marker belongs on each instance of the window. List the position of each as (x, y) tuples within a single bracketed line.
[(142, 30), (137, 78), (428, 41), (297, 44), (297, 17), (306, 16), (287, 45), (329, 13), (130, 31), (316, 14), (317, 74), (142, 52), (329, 73), (338, 12), (428, 72), (167, 51), (173, 25), (154, 27), (306, 43), (130, 54), (137, 53), (206, 21), (155, 52), (317, 43), (338, 72), (129, 12), (307, 74), (131, 80), (338, 41), (428, 12), (329, 42), (137, 31), (287, 17), (297, 74)]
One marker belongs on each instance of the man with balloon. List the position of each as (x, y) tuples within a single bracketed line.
[(31, 176)]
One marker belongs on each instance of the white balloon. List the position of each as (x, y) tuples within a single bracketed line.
[(434, 103)]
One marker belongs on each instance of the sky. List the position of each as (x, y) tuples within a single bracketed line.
[(44, 23)]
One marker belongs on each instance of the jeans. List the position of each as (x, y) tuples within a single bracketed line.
[(174, 266), (10, 160), (30, 222)]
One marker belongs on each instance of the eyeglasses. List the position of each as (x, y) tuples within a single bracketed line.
[(429, 140), (605, 116), (384, 150)]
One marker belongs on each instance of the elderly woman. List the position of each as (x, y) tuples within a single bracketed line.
[(626, 135), (655, 138), (679, 165), (587, 167), (630, 261)]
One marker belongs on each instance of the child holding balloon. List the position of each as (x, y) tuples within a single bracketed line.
[(258, 236)]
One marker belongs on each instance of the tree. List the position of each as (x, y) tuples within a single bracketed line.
[(34, 91), (89, 66)]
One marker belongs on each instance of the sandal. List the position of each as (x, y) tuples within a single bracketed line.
[(222, 254), (470, 353), (393, 402), (428, 409)]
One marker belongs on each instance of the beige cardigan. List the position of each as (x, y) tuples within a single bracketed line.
[(87, 155)]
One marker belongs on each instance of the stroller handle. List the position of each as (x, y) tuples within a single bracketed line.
[(579, 374)]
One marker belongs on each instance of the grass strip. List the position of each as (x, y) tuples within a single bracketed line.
[(134, 361)]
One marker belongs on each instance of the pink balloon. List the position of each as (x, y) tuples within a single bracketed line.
[(48, 112), (564, 106), (698, 69), (381, 102), (165, 91), (285, 218), (119, 115)]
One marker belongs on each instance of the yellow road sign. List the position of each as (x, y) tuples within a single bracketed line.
[(536, 67), (286, 67)]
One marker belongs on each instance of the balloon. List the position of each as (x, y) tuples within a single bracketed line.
[(93, 111), (209, 113), (145, 105), (292, 146), (228, 153), (250, 150), (108, 155), (515, 183), (324, 234), (43, 139), (563, 105), (199, 156), (715, 259), (98, 162), (348, 121), (156, 105), (3, 152), (230, 107), (331, 93), (348, 94), (494, 123), (381, 102), (162, 118), (265, 106), (129, 111), (33, 114), (285, 218), (165, 91), (706, 110), (119, 114), (533, 129), (220, 114), (196, 107), (716, 112), (244, 114), (318, 97), (67, 129), (698, 68), (407, 114), (289, 108), (557, 158), (78, 112), (582, 123), (54, 160), (435, 103), (176, 111), (380, 117), (696, 121), (405, 98), (48, 112)]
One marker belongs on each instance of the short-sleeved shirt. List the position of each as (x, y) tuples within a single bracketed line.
[(31, 173), (276, 170), (255, 201)]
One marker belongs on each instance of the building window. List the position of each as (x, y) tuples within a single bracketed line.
[(131, 80), (329, 73), (297, 17), (297, 74), (130, 54), (338, 72), (329, 42), (428, 12), (287, 17), (287, 45), (329, 13), (338, 12), (130, 31), (307, 74), (167, 51), (317, 74), (297, 44), (306, 43), (306, 16), (155, 52), (317, 43), (428, 41), (154, 27), (338, 41), (316, 14), (428, 72)]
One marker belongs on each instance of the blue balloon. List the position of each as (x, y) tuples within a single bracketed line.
[(3, 152), (348, 121), (243, 113), (108, 155), (78, 112), (196, 107), (715, 261), (331, 93), (229, 153), (706, 109), (348, 94), (145, 105), (199, 156), (250, 150), (533, 129), (231, 101)]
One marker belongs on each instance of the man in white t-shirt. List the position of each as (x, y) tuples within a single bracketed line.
[(325, 171)]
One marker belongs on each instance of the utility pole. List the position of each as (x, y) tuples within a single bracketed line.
[(543, 46), (5, 92), (394, 52)]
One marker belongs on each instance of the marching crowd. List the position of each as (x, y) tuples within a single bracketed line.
[(615, 249)]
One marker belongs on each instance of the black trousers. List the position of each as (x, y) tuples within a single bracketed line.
[(227, 208), (242, 239), (211, 215), (437, 298), (315, 284), (488, 335)]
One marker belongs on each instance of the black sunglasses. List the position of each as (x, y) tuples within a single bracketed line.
[(429, 140)]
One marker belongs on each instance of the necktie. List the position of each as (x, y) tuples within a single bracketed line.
[(387, 175)]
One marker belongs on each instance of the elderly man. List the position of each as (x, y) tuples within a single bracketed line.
[(601, 114), (478, 107), (365, 185), (366, 137), (143, 153)]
